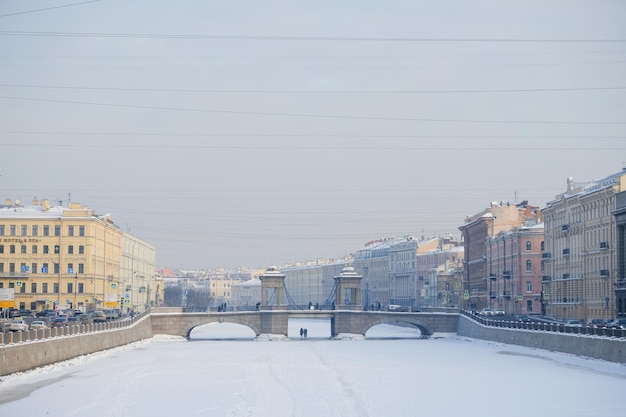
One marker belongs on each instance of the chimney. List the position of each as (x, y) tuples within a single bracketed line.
[(35, 202), (45, 204)]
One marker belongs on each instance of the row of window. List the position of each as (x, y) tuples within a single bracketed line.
[(34, 268), (34, 230), (45, 249), (44, 287)]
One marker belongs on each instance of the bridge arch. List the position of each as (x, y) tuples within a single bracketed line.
[(395, 321), (248, 322)]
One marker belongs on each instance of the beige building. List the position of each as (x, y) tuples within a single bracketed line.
[(580, 249), (61, 256)]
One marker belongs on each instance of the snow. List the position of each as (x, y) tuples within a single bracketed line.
[(390, 372)]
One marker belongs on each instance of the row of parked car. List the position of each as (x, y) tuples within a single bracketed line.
[(47, 319)]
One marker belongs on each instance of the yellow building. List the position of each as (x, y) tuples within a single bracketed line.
[(61, 257)]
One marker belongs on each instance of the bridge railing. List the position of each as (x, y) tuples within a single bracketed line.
[(545, 326)]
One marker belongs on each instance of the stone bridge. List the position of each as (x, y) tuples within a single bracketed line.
[(276, 321)]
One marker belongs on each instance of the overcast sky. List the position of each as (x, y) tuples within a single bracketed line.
[(245, 133)]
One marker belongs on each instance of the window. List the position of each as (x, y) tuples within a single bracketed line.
[(70, 287), (12, 249), (12, 229), (1, 266), (24, 230), (44, 268), (55, 288), (33, 287), (542, 246), (23, 249), (81, 250), (70, 230), (70, 249), (529, 245), (23, 288), (44, 287), (33, 267), (57, 230), (33, 249), (46, 249), (57, 249), (81, 288), (11, 268), (81, 230), (1, 230), (70, 268), (81, 268), (529, 286), (57, 268), (1, 248), (529, 266), (35, 230), (46, 230)]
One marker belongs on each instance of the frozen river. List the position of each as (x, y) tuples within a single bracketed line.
[(392, 372)]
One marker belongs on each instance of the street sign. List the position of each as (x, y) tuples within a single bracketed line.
[(520, 298), (7, 297), (113, 285), (18, 284)]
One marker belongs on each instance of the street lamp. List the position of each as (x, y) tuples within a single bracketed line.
[(75, 290)]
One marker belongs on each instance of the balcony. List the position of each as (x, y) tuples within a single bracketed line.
[(546, 278), (506, 274), (620, 284), (492, 294), (506, 295), (565, 276), (492, 277), (565, 227), (566, 252), (604, 245), (546, 255), (604, 273)]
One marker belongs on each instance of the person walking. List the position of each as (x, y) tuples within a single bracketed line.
[(301, 332)]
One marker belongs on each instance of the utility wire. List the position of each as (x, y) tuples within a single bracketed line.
[(174, 90), (322, 116), (49, 8), (299, 38)]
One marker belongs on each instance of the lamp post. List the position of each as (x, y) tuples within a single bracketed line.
[(75, 291)]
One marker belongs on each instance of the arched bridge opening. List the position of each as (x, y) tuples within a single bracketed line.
[(221, 331)]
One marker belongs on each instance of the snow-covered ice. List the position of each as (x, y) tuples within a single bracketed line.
[(392, 372)]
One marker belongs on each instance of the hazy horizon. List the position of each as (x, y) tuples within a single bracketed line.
[(250, 133)]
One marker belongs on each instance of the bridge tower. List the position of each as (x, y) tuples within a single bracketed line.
[(348, 285), (272, 290)]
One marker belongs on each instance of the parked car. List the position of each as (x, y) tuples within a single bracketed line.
[(59, 322), (39, 325), (486, 312), (617, 324), (44, 313), (18, 325), (574, 323), (73, 321), (597, 323), (98, 316), (26, 313), (85, 319), (498, 312)]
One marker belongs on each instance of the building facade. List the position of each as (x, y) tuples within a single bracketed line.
[(59, 257), (142, 289), (580, 251), (477, 231), (515, 270), (620, 279)]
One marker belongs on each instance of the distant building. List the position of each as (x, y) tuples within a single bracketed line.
[(477, 231), (436, 257), (246, 294), (515, 270), (581, 251), (620, 247)]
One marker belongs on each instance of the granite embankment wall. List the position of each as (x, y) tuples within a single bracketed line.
[(606, 348), (24, 355)]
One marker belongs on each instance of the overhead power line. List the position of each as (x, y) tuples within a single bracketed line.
[(194, 90), (298, 38), (310, 115), (48, 8)]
